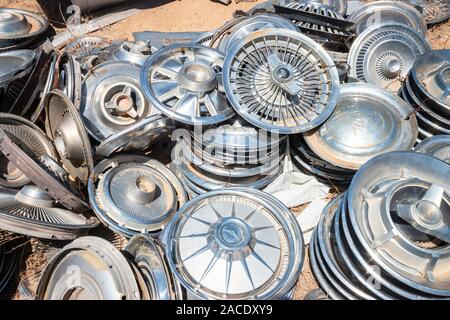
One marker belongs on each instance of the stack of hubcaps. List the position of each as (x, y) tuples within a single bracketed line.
[(387, 237), (427, 90), (367, 121), (231, 155), (236, 243)]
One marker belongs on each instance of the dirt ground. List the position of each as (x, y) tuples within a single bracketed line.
[(203, 15)]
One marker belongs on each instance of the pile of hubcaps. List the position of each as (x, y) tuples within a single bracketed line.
[(86, 140), (427, 90), (387, 237)]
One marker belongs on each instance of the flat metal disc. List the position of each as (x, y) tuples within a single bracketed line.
[(32, 212), (148, 255), (437, 146), (134, 194), (63, 124), (388, 12), (385, 53), (112, 99), (29, 137), (89, 268), (138, 136), (235, 244), (367, 121), (281, 81), (370, 210), (184, 81)]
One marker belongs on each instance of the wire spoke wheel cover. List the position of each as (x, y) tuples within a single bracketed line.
[(367, 121), (281, 81), (63, 124), (235, 243), (384, 54), (89, 268), (184, 81), (134, 194)]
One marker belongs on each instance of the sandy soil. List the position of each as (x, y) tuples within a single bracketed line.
[(203, 15)]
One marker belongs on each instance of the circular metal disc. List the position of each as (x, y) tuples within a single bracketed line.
[(384, 53), (63, 124), (437, 146), (281, 81), (423, 269), (337, 5), (148, 255), (184, 81), (367, 121), (89, 268), (134, 194), (235, 244), (32, 212), (112, 99), (388, 12)]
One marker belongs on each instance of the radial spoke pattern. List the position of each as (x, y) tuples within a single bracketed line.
[(297, 95), (184, 82), (227, 244)]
